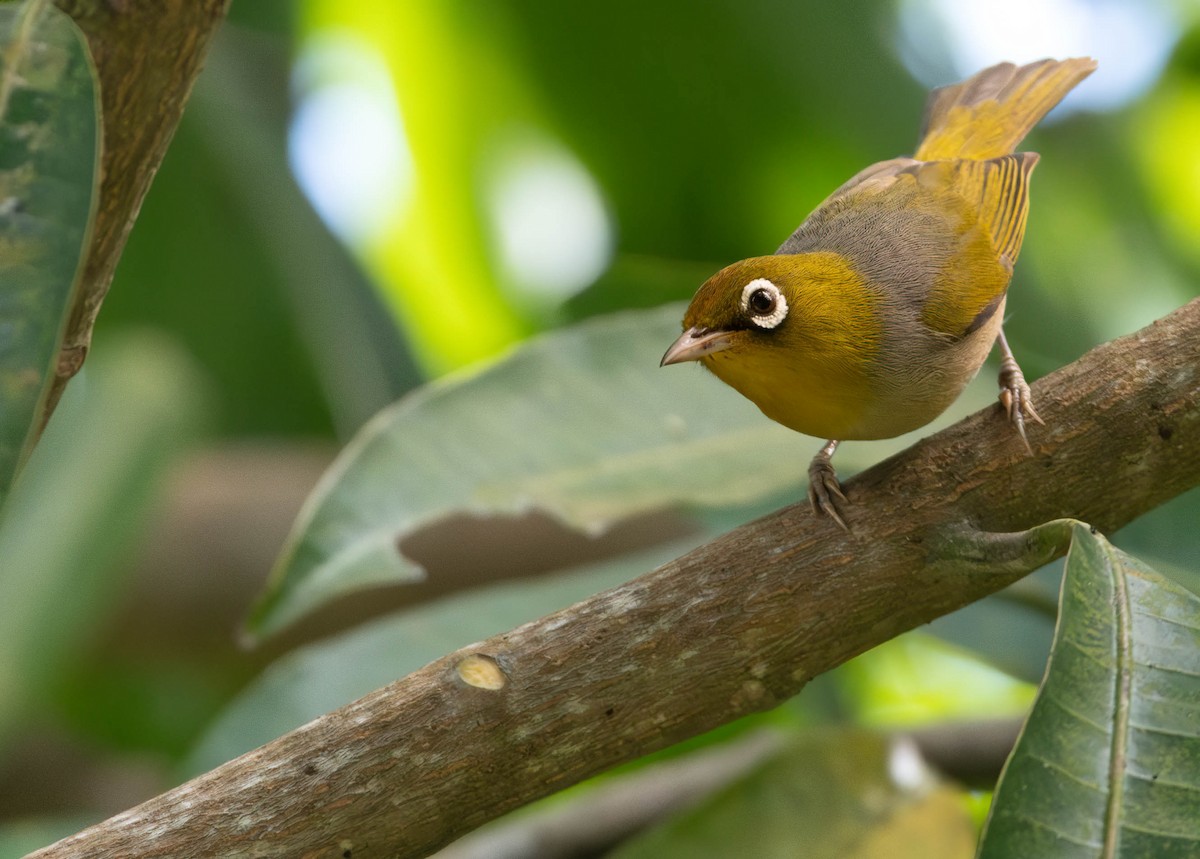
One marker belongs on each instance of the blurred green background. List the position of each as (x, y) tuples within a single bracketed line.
[(365, 196)]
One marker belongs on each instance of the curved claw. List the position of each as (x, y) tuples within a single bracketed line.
[(824, 488), (1015, 395), (1017, 400)]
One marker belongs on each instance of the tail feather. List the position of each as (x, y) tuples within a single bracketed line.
[(989, 113)]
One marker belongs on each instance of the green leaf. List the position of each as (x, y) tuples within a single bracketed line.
[(838, 794), (581, 423), (87, 492), (49, 150), (1108, 764)]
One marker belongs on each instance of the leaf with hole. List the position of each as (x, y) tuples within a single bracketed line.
[(581, 424)]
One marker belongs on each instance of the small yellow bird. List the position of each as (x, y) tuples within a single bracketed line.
[(875, 313)]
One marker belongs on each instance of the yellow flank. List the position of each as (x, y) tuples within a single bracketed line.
[(960, 293)]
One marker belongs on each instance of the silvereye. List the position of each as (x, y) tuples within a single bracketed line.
[(875, 313)]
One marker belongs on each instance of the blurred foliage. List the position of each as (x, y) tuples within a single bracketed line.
[(252, 283), (918, 680), (828, 795), (709, 131), (18, 839), (85, 495), (710, 134)]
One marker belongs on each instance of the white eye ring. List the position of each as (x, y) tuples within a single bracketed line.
[(779, 308)]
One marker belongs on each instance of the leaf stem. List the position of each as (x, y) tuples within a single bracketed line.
[(1122, 692)]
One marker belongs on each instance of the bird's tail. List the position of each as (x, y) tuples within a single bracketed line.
[(989, 113)]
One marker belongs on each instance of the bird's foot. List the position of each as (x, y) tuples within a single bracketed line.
[(823, 486), (1016, 397)]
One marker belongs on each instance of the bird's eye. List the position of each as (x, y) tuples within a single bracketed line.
[(764, 303)]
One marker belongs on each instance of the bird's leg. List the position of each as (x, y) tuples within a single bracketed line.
[(823, 486), (1014, 391)]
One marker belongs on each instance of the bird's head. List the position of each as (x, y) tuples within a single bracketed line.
[(744, 306), (794, 333)]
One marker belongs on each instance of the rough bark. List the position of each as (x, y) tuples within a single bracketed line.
[(738, 625), (148, 54)]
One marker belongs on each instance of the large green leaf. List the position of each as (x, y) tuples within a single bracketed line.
[(581, 423), (86, 493), (840, 794), (48, 155), (1108, 764)]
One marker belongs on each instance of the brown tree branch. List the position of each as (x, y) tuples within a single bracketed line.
[(737, 625), (148, 54)]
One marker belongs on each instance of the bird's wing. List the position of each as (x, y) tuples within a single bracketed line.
[(996, 193), (996, 189), (940, 236)]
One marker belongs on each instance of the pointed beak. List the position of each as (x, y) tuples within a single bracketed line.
[(696, 343)]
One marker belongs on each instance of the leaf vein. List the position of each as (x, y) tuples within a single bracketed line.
[(1161, 782), (1066, 772), (1170, 669), (1070, 711), (1170, 620), (1166, 732), (1049, 827), (1174, 836)]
